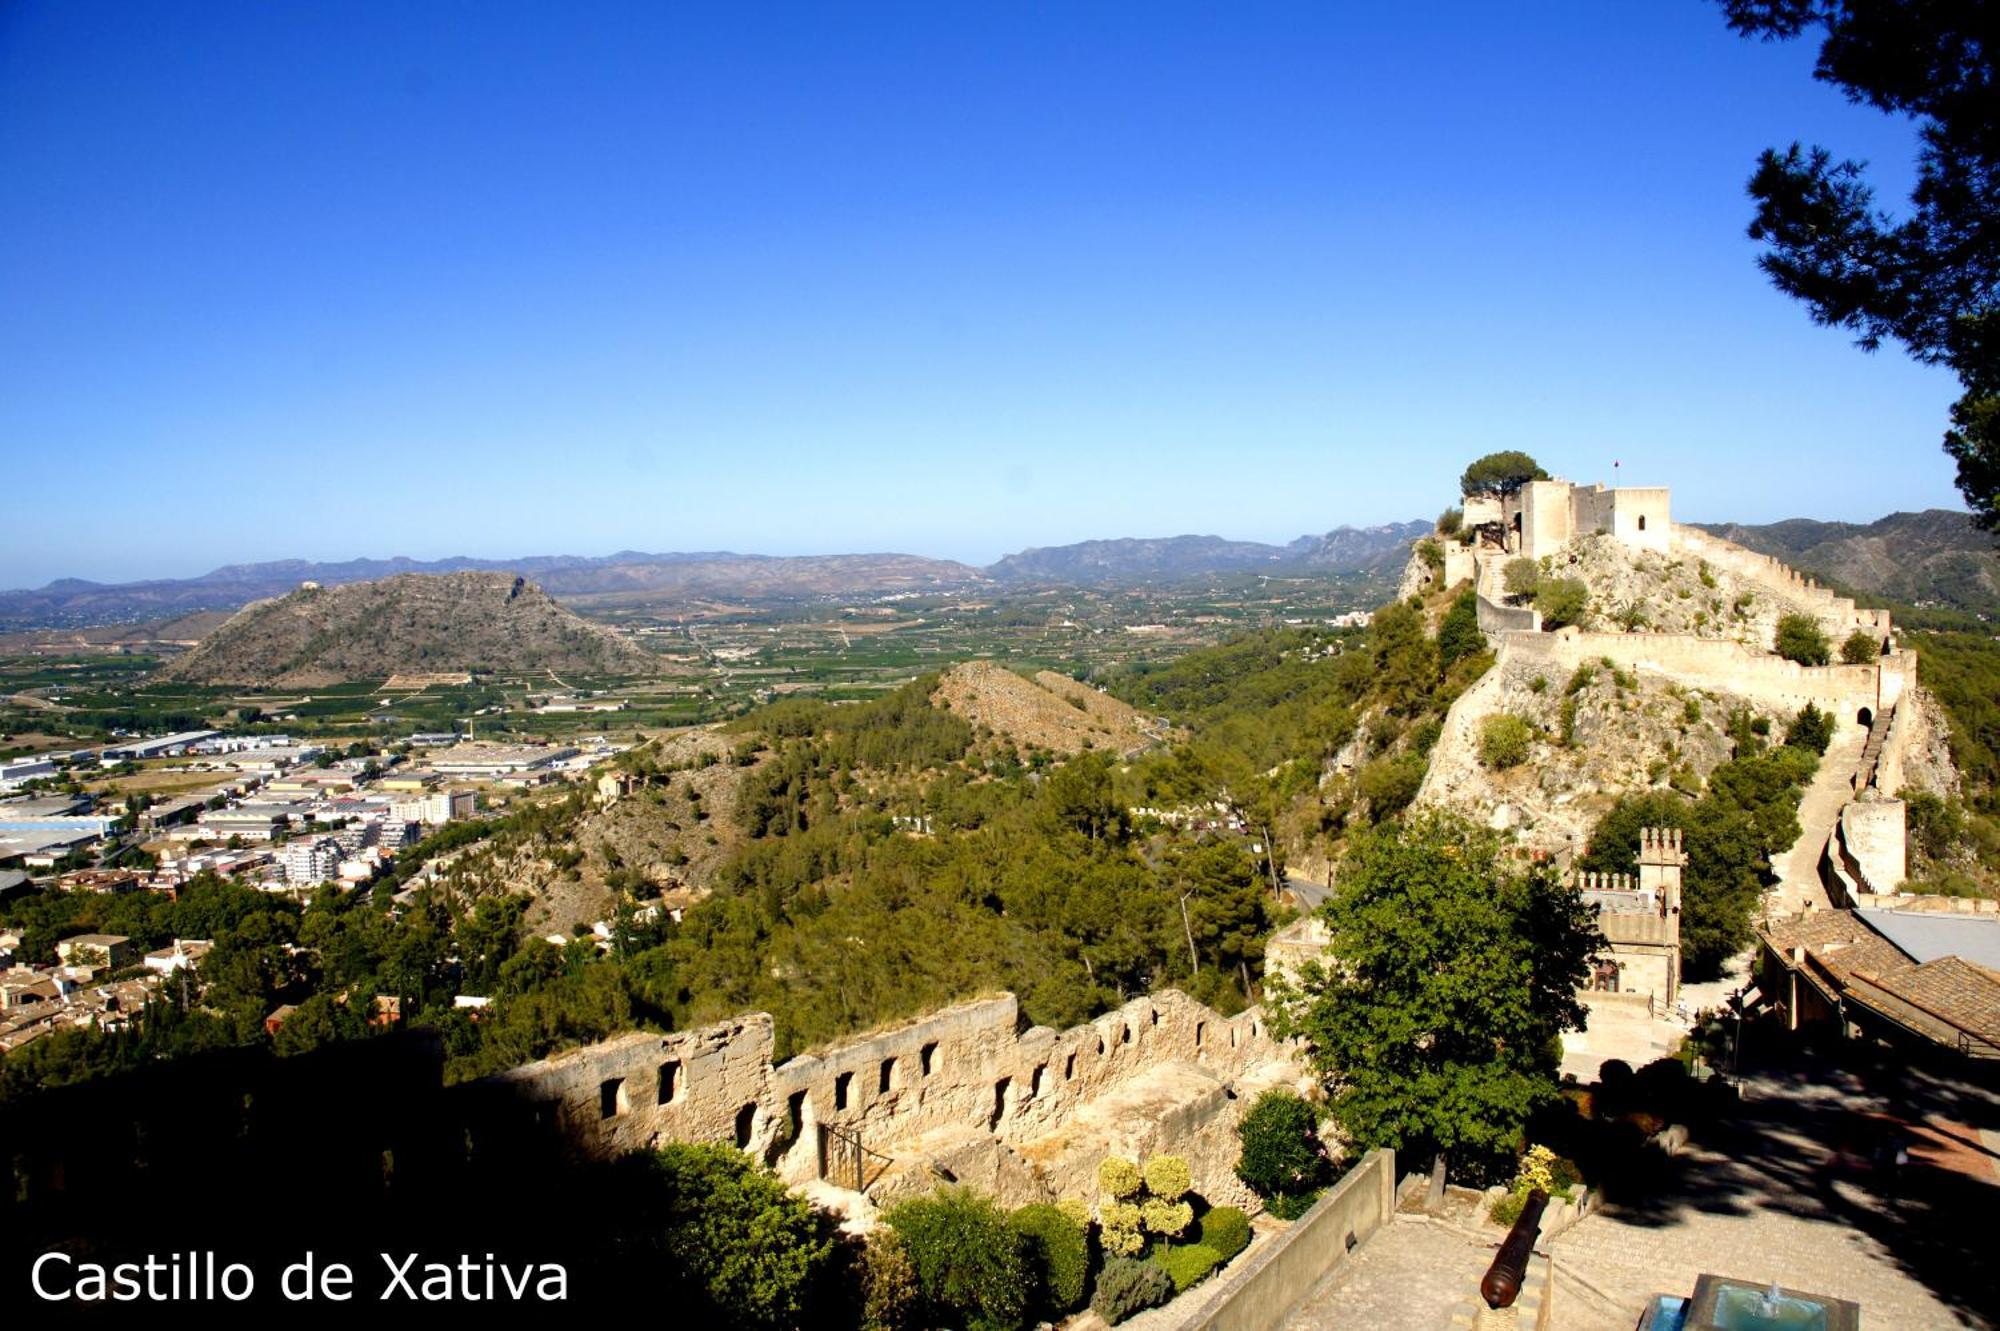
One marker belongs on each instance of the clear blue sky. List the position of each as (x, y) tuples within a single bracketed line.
[(328, 280)]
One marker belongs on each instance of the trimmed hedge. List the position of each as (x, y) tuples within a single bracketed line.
[(1225, 1229), (1188, 1264), (1126, 1286), (1059, 1250)]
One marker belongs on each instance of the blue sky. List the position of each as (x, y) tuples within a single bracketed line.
[(327, 280)]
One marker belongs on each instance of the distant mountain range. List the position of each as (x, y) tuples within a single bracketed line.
[(634, 576), (1936, 557), (1342, 550)]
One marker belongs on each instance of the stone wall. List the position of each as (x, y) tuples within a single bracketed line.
[(1838, 615), (963, 1094), (1276, 1274), (1784, 686), (1495, 619)]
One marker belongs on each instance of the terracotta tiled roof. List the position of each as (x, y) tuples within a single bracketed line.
[(1817, 928), (1950, 990), (1877, 956)]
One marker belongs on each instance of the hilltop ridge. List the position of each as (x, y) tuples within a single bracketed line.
[(411, 622)]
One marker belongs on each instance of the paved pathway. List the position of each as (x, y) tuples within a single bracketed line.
[(1409, 1276), (1786, 1192), (1798, 886)]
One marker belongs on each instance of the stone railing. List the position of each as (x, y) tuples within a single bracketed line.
[(1259, 1289)]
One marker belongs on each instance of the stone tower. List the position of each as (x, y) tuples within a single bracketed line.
[(1661, 860)]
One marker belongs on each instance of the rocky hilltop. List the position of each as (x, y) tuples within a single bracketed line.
[(316, 635), (1633, 653), (1050, 711)]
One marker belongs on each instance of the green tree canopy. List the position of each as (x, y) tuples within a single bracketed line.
[(1451, 975), (1500, 474), (734, 1247), (1562, 601), (1801, 639), (1928, 280), (973, 1268)]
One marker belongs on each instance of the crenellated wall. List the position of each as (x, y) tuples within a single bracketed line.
[(1838, 615), (965, 1086)]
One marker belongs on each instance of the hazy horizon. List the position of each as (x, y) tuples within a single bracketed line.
[(976, 561), (297, 283)]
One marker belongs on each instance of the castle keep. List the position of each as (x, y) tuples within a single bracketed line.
[(1853, 845)]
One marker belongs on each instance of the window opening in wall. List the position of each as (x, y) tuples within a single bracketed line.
[(670, 1081), (1642, 522), (1035, 1084), (1069, 1068), (1125, 1034), (1200, 1029), (1156, 1016), (927, 1059), (611, 1098), (1100, 1046), (841, 1086), (746, 1124), (999, 1102), (886, 1081), (795, 1113)]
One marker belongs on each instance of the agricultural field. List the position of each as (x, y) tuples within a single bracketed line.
[(721, 658)]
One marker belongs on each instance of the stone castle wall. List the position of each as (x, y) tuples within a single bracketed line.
[(1759, 676), (1838, 615), (964, 1086), (1495, 618)]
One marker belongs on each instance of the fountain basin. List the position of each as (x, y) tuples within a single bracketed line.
[(1723, 1303)]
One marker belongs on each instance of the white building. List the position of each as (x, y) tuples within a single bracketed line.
[(310, 860)]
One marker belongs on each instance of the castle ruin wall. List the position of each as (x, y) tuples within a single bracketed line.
[(965, 1075)]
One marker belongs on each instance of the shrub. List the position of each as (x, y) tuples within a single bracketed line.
[(1281, 1148), (1168, 1177), (1120, 1228), (1800, 639), (1504, 741), (1225, 1229), (971, 1266), (1458, 631), (1389, 784), (1187, 1265), (1506, 1209), (888, 1283), (1521, 577), (1119, 1178), (1432, 554), (1810, 729), (1125, 1287), (745, 1251), (1059, 1250), (1165, 1218), (1450, 521), (1860, 648), (1562, 601), (1292, 1205)]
